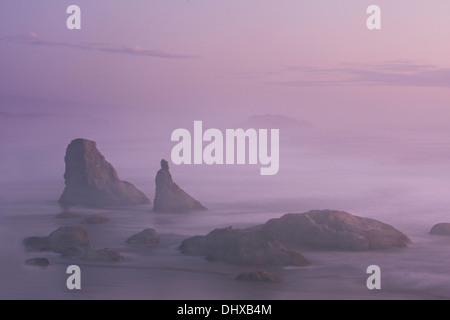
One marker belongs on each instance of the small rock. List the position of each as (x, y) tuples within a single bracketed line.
[(441, 229), (40, 262), (169, 197), (93, 182), (258, 276), (147, 237), (68, 241), (95, 220)]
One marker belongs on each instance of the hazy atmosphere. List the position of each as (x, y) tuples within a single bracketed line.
[(364, 124)]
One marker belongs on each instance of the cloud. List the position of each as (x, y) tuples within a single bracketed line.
[(33, 39), (252, 74), (391, 73)]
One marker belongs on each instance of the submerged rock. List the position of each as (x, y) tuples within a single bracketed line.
[(147, 237), (169, 197), (68, 215), (258, 276), (92, 181), (441, 229), (39, 262), (95, 220), (70, 242), (242, 246), (334, 230)]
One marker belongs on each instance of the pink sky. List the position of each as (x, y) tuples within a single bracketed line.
[(313, 60)]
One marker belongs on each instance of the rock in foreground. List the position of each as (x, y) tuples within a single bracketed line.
[(242, 246), (106, 255), (92, 181), (147, 237), (68, 241), (169, 197), (71, 242), (334, 230), (441, 229), (68, 215), (258, 276)]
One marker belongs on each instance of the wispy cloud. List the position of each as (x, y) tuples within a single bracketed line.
[(252, 74), (33, 39), (391, 73)]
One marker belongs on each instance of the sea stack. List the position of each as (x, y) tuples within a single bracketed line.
[(93, 182), (441, 229), (169, 197)]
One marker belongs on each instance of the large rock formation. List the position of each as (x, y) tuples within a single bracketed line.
[(92, 181), (169, 197), (71, 242), (242, 246), (441, 229), (334, 230)]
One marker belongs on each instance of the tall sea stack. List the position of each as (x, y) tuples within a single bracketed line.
[(92, 181), (169, 197)]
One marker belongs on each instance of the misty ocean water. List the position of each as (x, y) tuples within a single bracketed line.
[(406, 189)]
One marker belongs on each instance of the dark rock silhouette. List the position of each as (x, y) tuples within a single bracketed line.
[(315, 230), (95, 220), (92, 181), (277, 121), (334, 230), (169, 197), (242, 246), (147, 237), (258, 276), (441, 229), (39, 262), (68, 241), (105, 255), (71, 242)]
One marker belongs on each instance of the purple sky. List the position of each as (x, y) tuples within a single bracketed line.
[(312, 60)]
